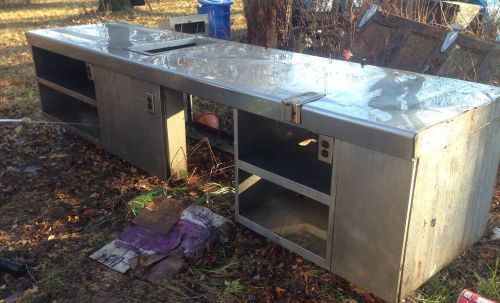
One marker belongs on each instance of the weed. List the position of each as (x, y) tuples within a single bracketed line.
[(439, 289), (340, 295), (54, 280), (489, 287), (229, 269), (234, 289), (138, 203), (58, 277), (209, 196), (327, 290)]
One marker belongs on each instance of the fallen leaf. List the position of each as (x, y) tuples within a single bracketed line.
[(280, 291), (89, 212)]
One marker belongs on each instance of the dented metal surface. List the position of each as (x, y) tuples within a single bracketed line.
[(392, 106)]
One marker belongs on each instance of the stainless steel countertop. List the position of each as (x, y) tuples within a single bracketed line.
[(371, 103)]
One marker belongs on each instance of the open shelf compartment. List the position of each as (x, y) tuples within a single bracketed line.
[(64, 72), (294, 221), (283, 150), (77, 115)]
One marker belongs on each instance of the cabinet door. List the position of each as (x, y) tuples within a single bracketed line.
[(130, 112)]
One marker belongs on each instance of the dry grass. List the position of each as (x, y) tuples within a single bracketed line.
[(16, 73)]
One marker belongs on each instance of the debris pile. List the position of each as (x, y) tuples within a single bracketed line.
[(154, 247)]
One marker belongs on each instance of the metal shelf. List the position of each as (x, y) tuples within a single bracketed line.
[(74, 129), (299, 164), (285, 152), (70, 92), (292, 220), (65, 74), (285, 182), (79, 117), (292, 246)]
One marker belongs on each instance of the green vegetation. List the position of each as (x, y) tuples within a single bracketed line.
[(235, 289), (138, 203), (490, 286), (439, 289), (213, 193)]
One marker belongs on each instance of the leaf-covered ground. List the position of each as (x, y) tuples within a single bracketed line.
[(62, 198)]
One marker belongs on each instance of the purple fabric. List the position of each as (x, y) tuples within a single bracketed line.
[(138, 238), (190, 237), (195, 237)]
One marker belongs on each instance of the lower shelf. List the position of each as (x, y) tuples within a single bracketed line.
[(74, 114), (292, 220), (89, 134)]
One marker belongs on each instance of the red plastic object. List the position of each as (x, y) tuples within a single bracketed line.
[(209, 119), (468, 296)]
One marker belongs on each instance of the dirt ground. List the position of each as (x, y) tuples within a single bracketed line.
[(62, 198)]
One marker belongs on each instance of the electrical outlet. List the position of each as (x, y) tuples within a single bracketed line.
[(325, 149), (150, 103), (88, 68)]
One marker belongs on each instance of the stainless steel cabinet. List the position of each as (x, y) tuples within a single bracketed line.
[(383, 180), (383, 222), (135, 116)]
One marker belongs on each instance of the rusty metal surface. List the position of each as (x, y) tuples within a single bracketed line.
[(451, 198)]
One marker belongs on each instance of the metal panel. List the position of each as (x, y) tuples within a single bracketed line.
[(174, 118), (133, 122), (371, 211), (447, 133), (295, 222), (452, 197)]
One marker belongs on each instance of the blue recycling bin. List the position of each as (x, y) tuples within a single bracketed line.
[(219, 17)]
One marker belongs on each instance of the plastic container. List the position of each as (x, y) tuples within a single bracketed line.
[(219, 17)]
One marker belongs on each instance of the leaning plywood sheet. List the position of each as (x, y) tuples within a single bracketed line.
[(391, 41)]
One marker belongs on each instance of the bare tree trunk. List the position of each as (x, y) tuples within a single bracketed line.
[(113, 5), (267, 21)]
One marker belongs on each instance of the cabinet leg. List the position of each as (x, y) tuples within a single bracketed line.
[(175, 131)]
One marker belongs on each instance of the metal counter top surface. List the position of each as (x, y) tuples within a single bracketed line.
[(400, 102)]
